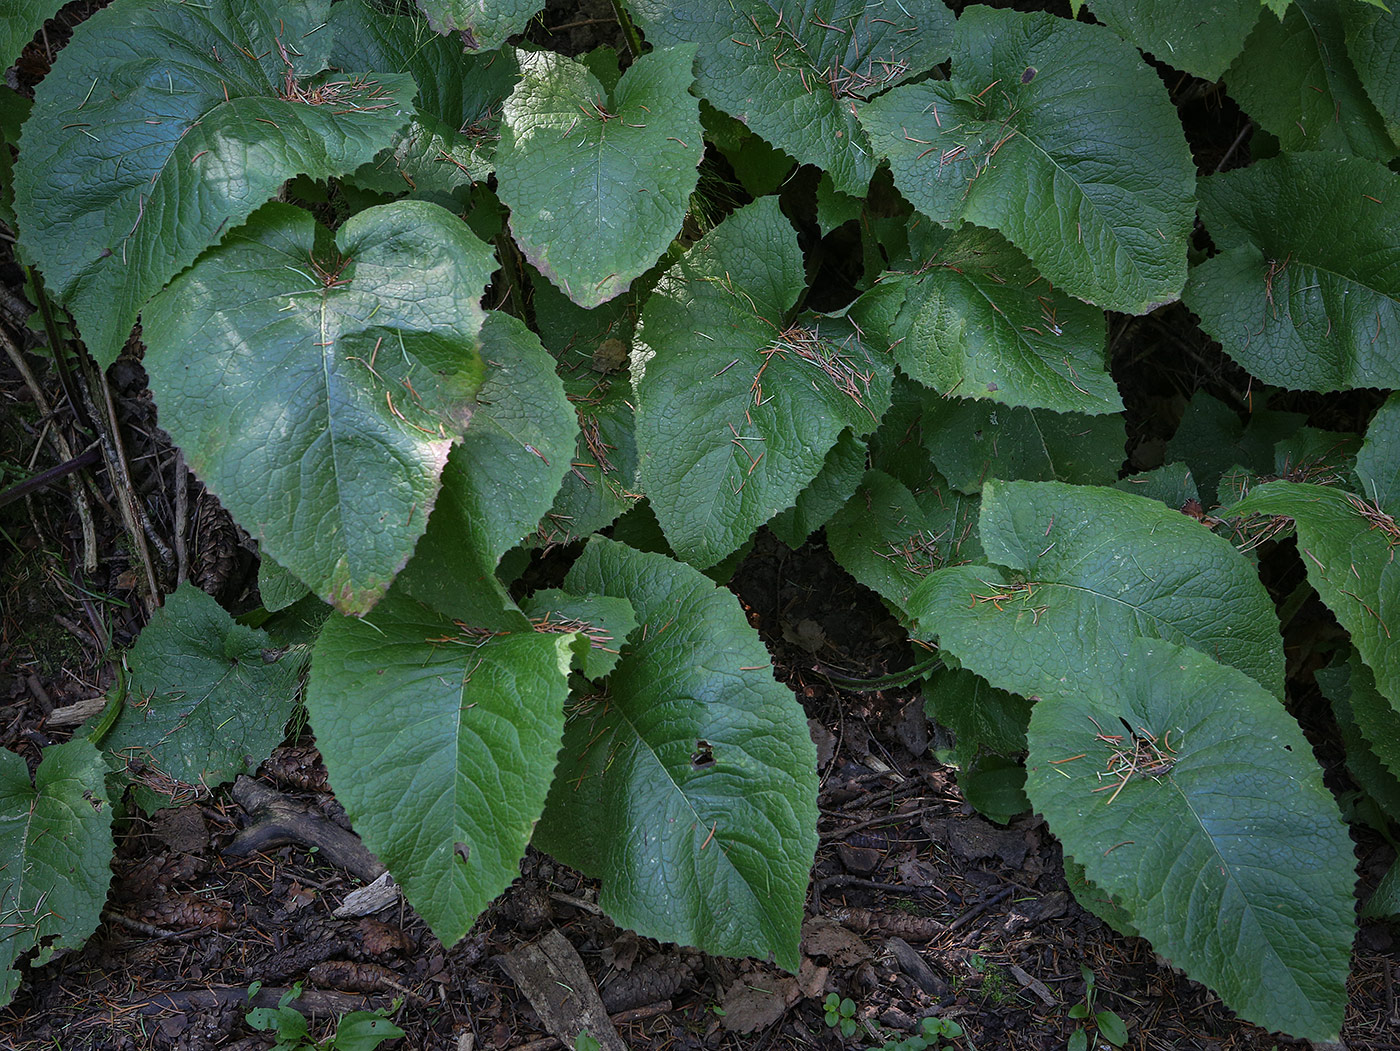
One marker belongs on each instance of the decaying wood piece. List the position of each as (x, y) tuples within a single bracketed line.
[(312, 1002), (916, 967), (552, 977), (77, 713), (279, 820), (365, 901)]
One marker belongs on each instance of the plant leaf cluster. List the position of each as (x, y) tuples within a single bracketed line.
[(648, 382)]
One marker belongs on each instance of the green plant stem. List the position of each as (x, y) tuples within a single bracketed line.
[(898, 678), (629, 30), (107, 718)]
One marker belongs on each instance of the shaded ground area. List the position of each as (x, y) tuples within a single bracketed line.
[(917, 905)]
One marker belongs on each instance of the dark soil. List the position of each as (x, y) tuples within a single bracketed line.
[(917, 905)]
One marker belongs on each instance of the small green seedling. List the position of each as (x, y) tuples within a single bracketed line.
[(1110, 1026), (586, 1041), (357, 1031), (841, 1013), (931, 1031)]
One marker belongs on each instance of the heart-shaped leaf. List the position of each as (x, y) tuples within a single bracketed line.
[(1165, 776), (1080, 572), (204, 110), (316, 388), (459, 727), (598, 182), (791, 71), (1058, 135), (208, 700), (1305, 292), (737, 407), (688, 786), (975, 319), (55, 853)]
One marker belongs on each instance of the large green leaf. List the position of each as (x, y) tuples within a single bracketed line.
[(14, 111), (440, 740), (1172, 484), (1206, 818), (598, 182), (1080, 572), (1385, 902), (792, 69), (316, 388), (971, 441), (1378, 460), (23, 19), (1373, 45), (1296, 80), (688, 786), (1198, 37), (1348, 546), (480, 25), (451, 140), (120, 186), (602, 622), (1305, 292), (1370, 729), (208, 699), (499, 481), (1212, 439), (1058, 135), (736, 406), (592, 347), (983, 717), (828, 492), (55, 854), (891, 539), (974, 319)]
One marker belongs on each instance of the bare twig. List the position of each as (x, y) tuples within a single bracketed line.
[(33, 484), (182, 517), (133, 515), (65, 453)]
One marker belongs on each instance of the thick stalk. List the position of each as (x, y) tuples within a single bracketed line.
[(884, 682), (629, 30)]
